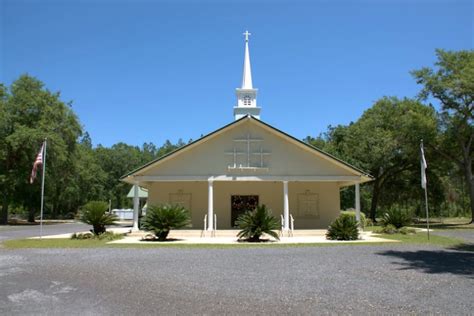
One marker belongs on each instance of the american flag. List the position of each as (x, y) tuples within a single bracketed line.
[(38, 161)]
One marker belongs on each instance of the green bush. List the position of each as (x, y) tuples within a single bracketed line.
[(104, 236), (162, 218), (396, 217), (343, 228), (254, 224), (407, 231), (94, 213), (390, 229), (369, 222), (81, 236), (363, 220)]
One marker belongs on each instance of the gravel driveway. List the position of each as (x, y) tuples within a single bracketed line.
[(397, 279)]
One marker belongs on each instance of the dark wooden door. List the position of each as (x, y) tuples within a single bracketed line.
[(241, 204)]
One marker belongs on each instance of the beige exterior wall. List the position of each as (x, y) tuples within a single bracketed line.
[(183, 176), (323, 195), (212, 158)]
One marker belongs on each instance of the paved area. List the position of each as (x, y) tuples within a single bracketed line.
[(464, 234), (18, 232), (27, 231), (395, 279)]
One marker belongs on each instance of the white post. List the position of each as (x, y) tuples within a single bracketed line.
[(210, 205), (357, 202), (286, 207), (136, 207)]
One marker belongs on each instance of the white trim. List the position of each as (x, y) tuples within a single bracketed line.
[(251, 178), (311, 150), (271, 130), (191, 146)]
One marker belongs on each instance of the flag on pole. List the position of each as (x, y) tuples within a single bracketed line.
[(38, 161), (424, 165)]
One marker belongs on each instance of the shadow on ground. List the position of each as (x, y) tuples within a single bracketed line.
[(457, 260)]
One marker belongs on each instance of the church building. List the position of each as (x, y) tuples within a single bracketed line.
[(244, 164)]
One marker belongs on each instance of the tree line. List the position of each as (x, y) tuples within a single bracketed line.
[(384, 141), (76, 172)]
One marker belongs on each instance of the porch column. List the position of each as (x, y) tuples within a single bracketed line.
[(210, 205), (136, 208), (286, 207), (357, 202)]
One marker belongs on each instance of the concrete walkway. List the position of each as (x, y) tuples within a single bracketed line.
[(223, 237), (229, 237)]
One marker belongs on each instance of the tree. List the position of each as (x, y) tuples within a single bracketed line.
[(31, 113), (452, 84), (385, 141)]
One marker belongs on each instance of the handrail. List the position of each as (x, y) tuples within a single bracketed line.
[(213, 233), (214, 227), (203, 232), (292, 226), (282, 224)]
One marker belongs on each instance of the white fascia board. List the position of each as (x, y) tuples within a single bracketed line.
[(352, 179), (314, 152)]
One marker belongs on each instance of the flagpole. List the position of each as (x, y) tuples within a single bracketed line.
[(426, 192), (42, 189), (427, 218)]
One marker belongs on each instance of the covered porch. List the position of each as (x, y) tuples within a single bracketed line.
[(302, 202)]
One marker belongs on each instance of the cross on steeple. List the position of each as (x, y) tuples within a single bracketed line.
[(247, 35)]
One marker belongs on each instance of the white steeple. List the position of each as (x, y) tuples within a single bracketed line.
[(247, 76), (246, 95)]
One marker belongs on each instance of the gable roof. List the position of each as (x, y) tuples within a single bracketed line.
[(265, 125)]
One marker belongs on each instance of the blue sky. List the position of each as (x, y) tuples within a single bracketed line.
[(147, 71)]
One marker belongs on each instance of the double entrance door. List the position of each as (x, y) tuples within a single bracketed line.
[(241, 204)]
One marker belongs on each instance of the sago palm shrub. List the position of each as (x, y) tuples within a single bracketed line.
[(254, 224), (396, 217), (160, 219), (363, 219), (343, 228), (95, 213)]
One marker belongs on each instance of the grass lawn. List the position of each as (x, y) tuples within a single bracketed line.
[(422, 238), (419, 238)]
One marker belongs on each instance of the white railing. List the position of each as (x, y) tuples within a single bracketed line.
[(203, 232), (291, 228), (214, 228), (282, 226)]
